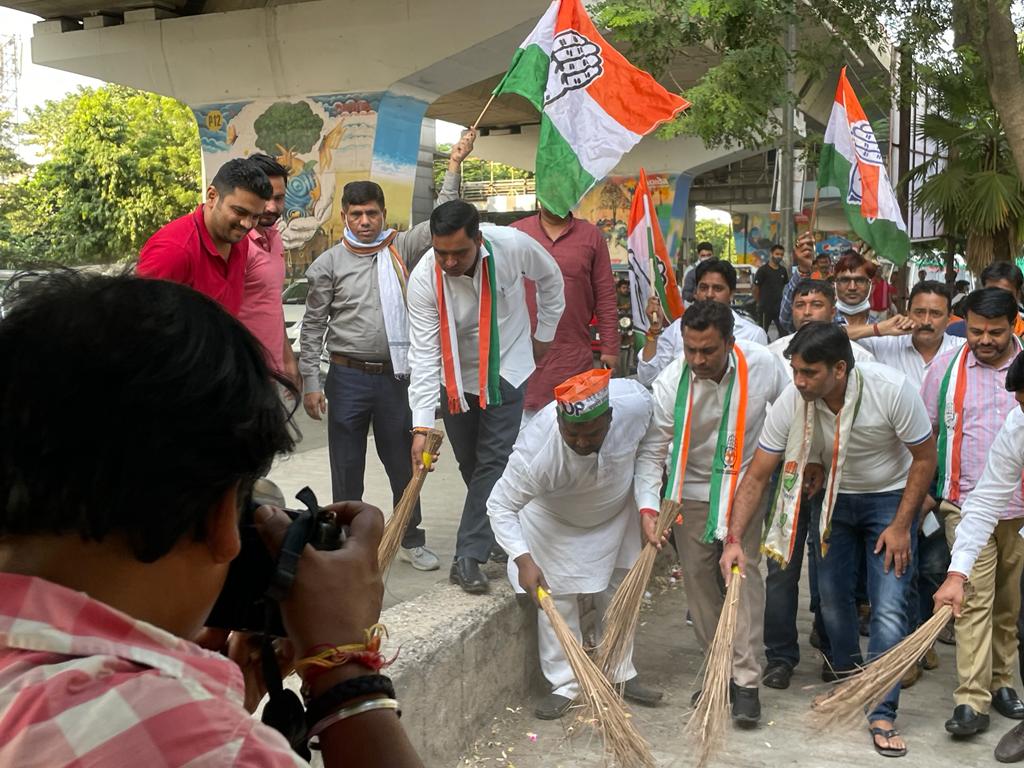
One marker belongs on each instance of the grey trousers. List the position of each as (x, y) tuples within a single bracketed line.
[(482, 441)]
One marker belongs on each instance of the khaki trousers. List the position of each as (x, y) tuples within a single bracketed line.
[(986, 632), (703, 584)]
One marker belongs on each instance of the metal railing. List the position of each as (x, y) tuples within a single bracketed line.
[(479, 191)]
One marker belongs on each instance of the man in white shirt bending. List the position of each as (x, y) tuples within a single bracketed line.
[(709, 406), (866, 424), (471, 352), (564, 512)]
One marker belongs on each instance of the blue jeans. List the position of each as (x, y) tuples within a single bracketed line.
[(931, 561), (857, 522), (354, 400), (782, 592)]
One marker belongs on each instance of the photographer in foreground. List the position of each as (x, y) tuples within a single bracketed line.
[(121, 485)]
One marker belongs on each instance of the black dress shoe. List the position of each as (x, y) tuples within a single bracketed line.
[(633, 690), (746, 705), (552, 707), (466, 573), (1010, 748), (1007, 703), (777, 675), (966, 722), (498, 555)]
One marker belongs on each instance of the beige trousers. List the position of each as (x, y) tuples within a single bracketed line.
[(703, 585), (986, 632)]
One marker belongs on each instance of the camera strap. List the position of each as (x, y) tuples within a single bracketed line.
[(284, 711)]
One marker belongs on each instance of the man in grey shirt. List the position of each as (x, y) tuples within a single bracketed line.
[(356, 300)]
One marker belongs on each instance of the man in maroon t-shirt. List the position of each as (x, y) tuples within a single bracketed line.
[(206, 249)]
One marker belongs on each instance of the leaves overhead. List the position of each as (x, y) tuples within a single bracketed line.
[(119, 164)]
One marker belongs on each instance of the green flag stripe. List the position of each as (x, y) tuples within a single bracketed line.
[(883, 235), (494, 354), (561, 180), (527, 75)]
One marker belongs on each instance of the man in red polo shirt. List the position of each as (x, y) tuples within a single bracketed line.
[(206, 249)]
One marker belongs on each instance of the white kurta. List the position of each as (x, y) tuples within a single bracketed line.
[(574, 514)]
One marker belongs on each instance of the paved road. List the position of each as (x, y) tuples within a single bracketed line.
[(667, 657)]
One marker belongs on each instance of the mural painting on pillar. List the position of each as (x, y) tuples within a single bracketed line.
[(324, 142), (607, 205)]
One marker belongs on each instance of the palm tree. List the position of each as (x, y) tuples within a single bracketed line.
[(972, 186)]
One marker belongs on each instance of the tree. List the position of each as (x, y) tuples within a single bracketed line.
[(120, 164), (288, 128), (613, 197), (972, 186), (11, 169), (475, 169), (736, 97), (718, 234)]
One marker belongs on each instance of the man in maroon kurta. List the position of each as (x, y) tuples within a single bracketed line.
[(582, 255)]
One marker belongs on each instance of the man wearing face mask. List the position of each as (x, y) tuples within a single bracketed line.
[(357, 298), (206, 249), (262, 312), (472, 353), (563, 510), (853, 275)]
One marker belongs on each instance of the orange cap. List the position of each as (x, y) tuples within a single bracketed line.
[(584, 396)]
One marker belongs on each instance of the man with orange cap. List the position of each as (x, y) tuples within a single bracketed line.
[(564, 512)]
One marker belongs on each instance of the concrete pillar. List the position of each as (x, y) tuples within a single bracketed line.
[(325, 141)]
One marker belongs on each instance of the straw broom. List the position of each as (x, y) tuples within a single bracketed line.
[(847, 701), (706, 725), (623, 614), (601, 705), (395, 527)]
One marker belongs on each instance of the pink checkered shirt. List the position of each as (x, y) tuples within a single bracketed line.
[(986, 405), (83, 685)]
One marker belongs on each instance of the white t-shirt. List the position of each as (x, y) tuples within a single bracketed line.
[(899, 352), (890, 417)]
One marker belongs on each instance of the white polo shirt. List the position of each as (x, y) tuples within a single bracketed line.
[(670, 346), (900, 353), (890, 417), (766, 379)]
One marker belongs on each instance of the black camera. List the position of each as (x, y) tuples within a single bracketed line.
[(256, 582)]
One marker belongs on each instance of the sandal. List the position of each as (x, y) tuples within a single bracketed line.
[(886, 734)]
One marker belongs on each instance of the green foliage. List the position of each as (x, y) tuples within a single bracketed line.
[(120, 164), (288, 126), (718, 234), (11, 168), (735, 100), (475, 169)]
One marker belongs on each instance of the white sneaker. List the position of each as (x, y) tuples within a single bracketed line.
[(421, 558)]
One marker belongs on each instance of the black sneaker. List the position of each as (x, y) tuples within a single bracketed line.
[(746, 705)]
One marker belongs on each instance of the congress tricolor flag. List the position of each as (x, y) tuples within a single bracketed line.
[(595, 106), (649, 265), (852, 162)]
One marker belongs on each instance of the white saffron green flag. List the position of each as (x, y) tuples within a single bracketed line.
[(595, 106), (852, 162)]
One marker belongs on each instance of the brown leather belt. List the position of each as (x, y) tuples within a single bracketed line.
[(359, 365)]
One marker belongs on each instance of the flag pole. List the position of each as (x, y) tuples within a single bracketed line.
[(482, 112), (814, 210)]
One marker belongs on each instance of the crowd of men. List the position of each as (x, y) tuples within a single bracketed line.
[(886, 452)]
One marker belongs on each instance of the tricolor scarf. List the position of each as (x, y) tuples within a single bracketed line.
[(952, 392), (392, 279), (728, 460), (490, 345), (780, 537)]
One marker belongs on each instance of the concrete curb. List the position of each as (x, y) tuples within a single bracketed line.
[(463, 658)]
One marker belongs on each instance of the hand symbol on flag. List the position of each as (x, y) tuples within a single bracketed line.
[(575, 63)]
